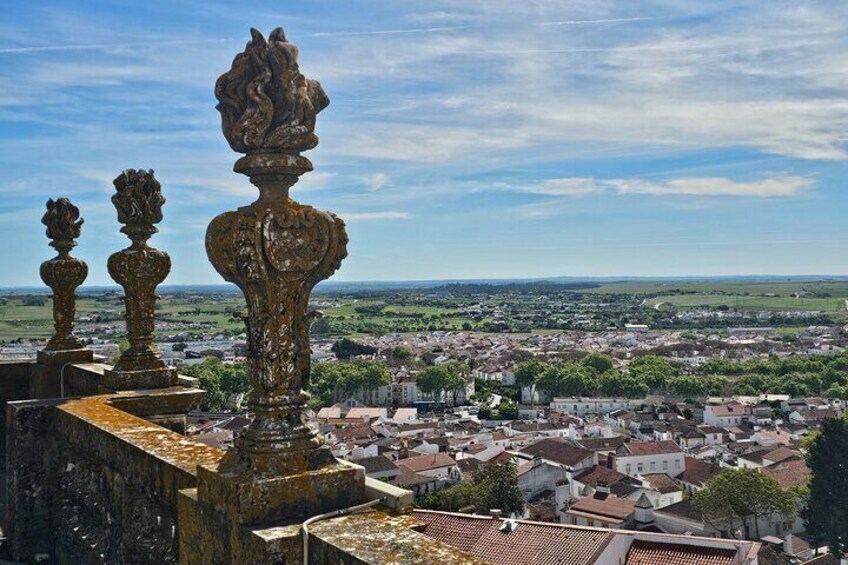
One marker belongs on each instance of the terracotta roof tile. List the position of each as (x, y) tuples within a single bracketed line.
[(651, 447), (662, 482), (529, 544), (425, 462), (789, 473), (660, 553), (599, 474), (559, 451), (611, 507)]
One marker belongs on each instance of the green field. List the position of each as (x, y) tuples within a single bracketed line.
[(426, 309)]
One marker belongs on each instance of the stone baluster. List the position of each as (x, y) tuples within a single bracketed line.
[(139, 269), (63, 274), (275, 250)]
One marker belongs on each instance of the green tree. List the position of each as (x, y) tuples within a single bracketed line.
[(179, 346), (222, 382), (331, 380), (599, 362), (527, 374), (746, 495), (508, 410), (826, 514), (432, 381), (452, 498), (495, 485), (484, 412), (346, 348), (653, 370), (568, 379), (401, 354), (613, 383)]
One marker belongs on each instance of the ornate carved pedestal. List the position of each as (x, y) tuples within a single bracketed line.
[(139, 269), (63, 274), (275, 250)]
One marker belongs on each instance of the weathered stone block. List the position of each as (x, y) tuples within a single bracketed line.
[(49, 357), (251, 500)]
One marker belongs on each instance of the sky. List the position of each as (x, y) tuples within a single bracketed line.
[(465, 139)]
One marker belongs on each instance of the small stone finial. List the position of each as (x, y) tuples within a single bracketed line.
[(266, 104), (63, 222), (139, 269), (63, 274), (138, 200)]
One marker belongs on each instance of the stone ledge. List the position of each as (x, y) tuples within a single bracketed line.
[(376, 538)]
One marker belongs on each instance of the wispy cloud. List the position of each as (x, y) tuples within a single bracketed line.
[(105, 46), (387, 31), (777, 186), (374, 216)]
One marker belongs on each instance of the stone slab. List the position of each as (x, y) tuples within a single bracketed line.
[(252, 501), (63, 357), (143, 379)]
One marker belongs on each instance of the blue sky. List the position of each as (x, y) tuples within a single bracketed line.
[(467, 139)]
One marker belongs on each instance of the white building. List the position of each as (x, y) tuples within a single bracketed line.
[(639, 457)]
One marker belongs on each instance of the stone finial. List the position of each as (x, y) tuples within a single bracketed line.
[(63, 274), (139, 269), (275, 250), (264, 100), (138, 200), (63, 223)]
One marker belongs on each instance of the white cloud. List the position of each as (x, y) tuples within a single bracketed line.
[(777, 186), (565, 187), (774, 187), (371, 216), (376, 181)]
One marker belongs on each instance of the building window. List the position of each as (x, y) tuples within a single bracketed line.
[(640, 468), (629, 468), (665, 465), (653, 466)]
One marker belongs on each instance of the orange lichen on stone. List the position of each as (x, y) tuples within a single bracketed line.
[(377, 537), (169, 446)]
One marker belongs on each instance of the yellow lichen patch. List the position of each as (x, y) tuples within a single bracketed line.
[(172, 447), (376, 537)]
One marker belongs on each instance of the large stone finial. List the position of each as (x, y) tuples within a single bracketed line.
[(264, 100), (139, 269), (275, 250), (63, 274)]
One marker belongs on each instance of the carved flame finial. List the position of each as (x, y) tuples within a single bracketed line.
[(264, 100), (138, 200), (63, 221), (63, 274)]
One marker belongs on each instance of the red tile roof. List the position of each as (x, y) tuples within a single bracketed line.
[(559, 451), (698, 472), (651, 447), (610, 507), (425, 462), (789, 473), (599, 474), (529, 544), (662, 482), (660, 553)]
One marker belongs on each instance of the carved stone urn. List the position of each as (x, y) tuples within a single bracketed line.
[(139, 269), (63, 274), (275, 250)]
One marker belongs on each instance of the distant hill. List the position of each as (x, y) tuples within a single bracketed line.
[(462, 285)]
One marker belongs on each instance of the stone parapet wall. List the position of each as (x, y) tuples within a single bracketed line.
[(90, 483)]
